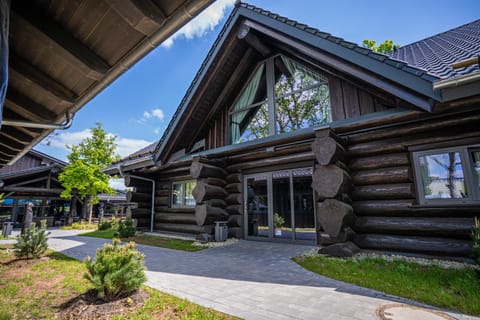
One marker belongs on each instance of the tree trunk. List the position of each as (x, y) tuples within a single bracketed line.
[(90, 208)]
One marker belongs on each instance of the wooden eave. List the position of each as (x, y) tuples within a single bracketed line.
[(218, 81), (61, 56)]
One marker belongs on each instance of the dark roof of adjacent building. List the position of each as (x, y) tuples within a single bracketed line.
[(60, 56), (437, 53), (410, 73)]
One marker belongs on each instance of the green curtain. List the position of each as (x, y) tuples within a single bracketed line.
[(294, 67), (246, 98)]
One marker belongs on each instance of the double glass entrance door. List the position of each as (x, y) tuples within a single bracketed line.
[(279, 205)]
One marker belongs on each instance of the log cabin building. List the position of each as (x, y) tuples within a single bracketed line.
[(290, 133), (34, 178)]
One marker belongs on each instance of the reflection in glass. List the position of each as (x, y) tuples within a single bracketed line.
[(282, 215), (476, 167), (254, 125), (303, 204), (442, 176), (257, 207)]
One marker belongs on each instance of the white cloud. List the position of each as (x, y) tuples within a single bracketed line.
[(59, 141), (154, 113), (117, 184), (204, 22), (126, 146), (157, 130)]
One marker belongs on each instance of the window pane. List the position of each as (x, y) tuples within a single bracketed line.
[(189, 200), (476, 168), (292, 76), (442, 176), (177, 194), (305, 109), (254, 126)]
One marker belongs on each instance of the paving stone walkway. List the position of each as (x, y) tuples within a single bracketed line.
[(251, 280)]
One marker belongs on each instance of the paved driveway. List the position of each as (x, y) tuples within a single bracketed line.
[(252, 280)]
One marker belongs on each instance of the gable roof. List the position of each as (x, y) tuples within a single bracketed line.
[(414, 77), (437, 53)]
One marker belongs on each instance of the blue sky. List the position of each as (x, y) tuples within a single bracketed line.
[(138, 106)]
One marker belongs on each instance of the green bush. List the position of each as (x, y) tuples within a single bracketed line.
[(476, 240), (33, 242), (105, 225), (126, 229), (117, 270)]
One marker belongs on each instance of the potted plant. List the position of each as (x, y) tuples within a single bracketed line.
[(278, 222)]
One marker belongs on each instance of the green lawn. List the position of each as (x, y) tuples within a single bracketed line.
[(176, 244), (36, 289), (445, 288)]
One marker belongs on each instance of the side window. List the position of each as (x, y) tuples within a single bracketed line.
[(447, 175), (182, 194)]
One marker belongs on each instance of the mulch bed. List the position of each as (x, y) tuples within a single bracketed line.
[(88, 306)]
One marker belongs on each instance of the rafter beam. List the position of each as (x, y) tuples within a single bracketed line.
[(62, 42), (15, 135), (245, 33), (6, 152), (142, 15), (27, 108), (40, 79), (12, 145)]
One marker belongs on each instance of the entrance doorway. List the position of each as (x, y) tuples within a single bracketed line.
[(279, 205)]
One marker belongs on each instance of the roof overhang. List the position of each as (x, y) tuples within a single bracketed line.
[(459, 87), (60, 57)]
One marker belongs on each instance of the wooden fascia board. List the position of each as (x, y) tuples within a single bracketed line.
[(354, 64)]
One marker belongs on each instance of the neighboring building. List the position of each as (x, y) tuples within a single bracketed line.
[(290, 133), (33, 178)]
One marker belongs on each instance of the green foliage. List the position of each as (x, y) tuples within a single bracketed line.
[(1, 197), (117, 270), (105, 225), (457, 289), (278, 220), (126, 229), (82, 225), (384, 47), (476, 240), (83, 175), (33, 242)]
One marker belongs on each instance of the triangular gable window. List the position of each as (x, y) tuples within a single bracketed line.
[(301, 99)]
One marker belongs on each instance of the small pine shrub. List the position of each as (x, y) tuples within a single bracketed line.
[(126, 229), (33, 242), (105, 225), (476, 240), (117, 270)]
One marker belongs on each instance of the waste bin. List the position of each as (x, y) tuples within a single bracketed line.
[(221, 231), (7, 229)]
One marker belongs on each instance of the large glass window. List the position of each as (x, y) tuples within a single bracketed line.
[(448, 175), (182, 194), (281, 96)]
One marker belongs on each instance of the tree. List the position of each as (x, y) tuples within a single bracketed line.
[(83, 177), (384, 47)]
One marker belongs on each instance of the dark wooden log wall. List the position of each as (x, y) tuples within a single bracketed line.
[(142, 195), (332, 184), (384, 197)]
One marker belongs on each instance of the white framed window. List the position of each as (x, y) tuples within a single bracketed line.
[(182, 194), (448, 175), (281, 96)]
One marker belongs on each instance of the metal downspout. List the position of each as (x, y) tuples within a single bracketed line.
[(152, 215)]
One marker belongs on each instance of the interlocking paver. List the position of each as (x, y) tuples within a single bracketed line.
[(252, 280)]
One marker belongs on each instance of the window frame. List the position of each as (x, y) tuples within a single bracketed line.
[(271, 99), (471, 185), (183, 187)]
